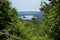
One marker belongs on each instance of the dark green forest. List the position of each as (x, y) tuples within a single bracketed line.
[(13, 28)]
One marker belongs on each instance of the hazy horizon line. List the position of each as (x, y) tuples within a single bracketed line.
[(29, 10)]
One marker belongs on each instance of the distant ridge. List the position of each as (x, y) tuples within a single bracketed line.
[(37, 14), (30, 10), (22, 13)]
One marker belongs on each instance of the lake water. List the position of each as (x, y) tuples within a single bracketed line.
[(28, 15)]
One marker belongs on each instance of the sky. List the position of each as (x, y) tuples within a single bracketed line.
[(27, 5)]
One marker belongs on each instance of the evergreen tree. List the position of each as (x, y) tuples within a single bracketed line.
[(52, 18), (4, 16), (35, 21), (9, 20)]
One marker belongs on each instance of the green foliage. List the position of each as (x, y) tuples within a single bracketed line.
[(52, 18), (19, 30), (4, 17)]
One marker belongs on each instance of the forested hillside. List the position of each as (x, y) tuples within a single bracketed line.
[(11, 24)]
